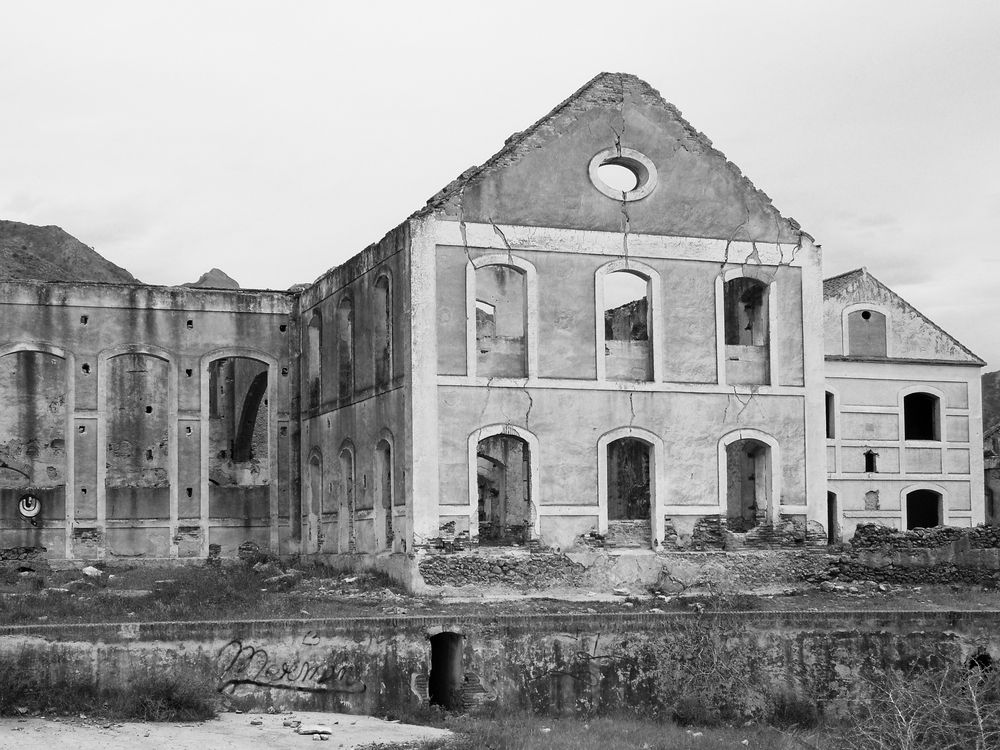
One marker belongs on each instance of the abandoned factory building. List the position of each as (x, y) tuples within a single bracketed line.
[(604, 335)]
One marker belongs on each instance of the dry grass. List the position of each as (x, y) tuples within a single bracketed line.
[(517, 731), (183, 694)]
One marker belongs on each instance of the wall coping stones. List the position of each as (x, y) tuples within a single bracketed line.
[(866, 620)]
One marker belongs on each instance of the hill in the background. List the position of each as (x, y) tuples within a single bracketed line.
[(991, 399), (214, 279), (50, 254)]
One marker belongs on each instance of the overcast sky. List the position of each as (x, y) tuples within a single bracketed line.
[(277, 139)]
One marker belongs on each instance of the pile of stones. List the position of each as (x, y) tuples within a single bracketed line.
[(533, 571)]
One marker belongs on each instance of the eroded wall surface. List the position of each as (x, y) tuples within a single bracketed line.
[(547, 663), (879, 469), (106, 419), (355, 454)]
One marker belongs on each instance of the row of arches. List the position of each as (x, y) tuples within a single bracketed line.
[(504, 472), (130, 449), (342, 515), (502, 321), (344, 344)]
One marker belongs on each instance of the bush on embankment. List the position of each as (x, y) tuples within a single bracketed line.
[(182, 694)]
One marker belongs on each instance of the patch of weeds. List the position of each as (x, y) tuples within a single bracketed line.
[(183, 694)]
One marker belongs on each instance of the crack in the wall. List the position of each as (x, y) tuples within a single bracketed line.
[(503, 238), (732, 237), (744, 405), (631, 408), (462, 229), (531, 405), (626, 228)]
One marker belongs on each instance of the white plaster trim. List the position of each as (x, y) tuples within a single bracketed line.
[(273, 372), (473, 235), (568, 510), (635, 161), (657, 490), (896, 477), (534, 475), (875, 306), (621, 386), (775, 468), (939, 372), (654, 294), (906, 490), (530, 302), (690, 510), (420, 443)]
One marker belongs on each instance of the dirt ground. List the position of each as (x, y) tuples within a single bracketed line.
[(124, 593), (228, 732)]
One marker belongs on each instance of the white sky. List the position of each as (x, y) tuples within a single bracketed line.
[(277, 139)]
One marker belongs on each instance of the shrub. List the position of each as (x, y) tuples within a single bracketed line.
[(945, 708)]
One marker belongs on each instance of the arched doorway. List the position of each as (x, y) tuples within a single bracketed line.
[(923, 509), (748, 484), (503, 480)]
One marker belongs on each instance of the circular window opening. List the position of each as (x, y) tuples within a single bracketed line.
[(618, 177), (866, 315), (622, 174)]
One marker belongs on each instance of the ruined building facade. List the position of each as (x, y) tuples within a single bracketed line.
[(539, 356)]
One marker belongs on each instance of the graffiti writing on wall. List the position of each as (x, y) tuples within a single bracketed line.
[(242, 663)]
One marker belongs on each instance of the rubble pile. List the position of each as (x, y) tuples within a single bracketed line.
[(538, 569)]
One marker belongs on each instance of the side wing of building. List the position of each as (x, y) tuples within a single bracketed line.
[(903, 413)]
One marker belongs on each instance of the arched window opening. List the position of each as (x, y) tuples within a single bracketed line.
[(345, 349), (501, 322), (238, 422), (921, 420), (627, 326), (383, 489), (831, 416), (923, 509), (33, 387), (748, 490), (382, 333), (746, 331), (866, 333), (629, 479), (446, 677), (348, 502), (832, 523), (321, 508), (503, 478), (314, 361)]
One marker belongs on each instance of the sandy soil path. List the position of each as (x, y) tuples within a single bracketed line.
[(228, 732)]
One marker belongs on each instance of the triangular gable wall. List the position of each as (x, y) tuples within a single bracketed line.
[(540, 177), (912, 334)]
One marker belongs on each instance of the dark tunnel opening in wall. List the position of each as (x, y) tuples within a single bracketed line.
[(445, 683)]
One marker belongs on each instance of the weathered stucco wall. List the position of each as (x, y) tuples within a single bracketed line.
[(869, 416), (547, 663), (355, 437), (131, 365)]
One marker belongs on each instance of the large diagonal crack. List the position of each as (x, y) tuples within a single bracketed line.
[(503, 238)]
